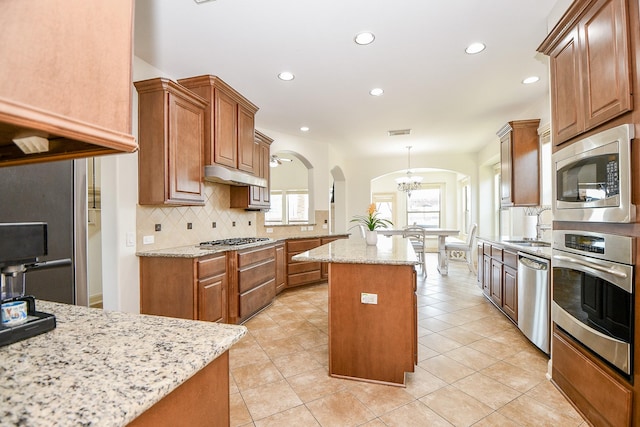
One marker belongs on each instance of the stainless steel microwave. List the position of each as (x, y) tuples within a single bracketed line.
[(592, 178)]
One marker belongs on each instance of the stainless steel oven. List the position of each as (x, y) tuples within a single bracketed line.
[(593, 288), (592, 178)]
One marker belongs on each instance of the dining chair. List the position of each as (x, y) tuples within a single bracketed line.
[(466, 247), (416, 236)]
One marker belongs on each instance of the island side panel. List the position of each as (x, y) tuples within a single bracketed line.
[(203, 400), (373, 342)]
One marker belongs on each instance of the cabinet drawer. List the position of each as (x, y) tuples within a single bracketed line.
[(486, 249), (255, 299), (256, 275), (215, 265), (304, 278), (510, 259), (253, 256), (302, 245), (303, 266), (496, 253)]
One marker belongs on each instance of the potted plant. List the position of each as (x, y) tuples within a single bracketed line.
[(371, 222)]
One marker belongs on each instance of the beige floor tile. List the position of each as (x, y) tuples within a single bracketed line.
[(429, 311), (374, 423), (425, 353), (233, 387), (281, 347), (238, 412), (297, 327), (298, 416), (380, 399), (531, 360), (270, 399), (446, 368), (487, 390), (514, 377), (471, 358), (260, 322), (320, 354), (531, 413), (267, 335), (296, 363), (456, 407), (421, 382), (492, 348), (414, 414), (311, 339), (496, 420), (256, 374), (315, 384), (240, 356), (439, 342), (340, 409), (547, 394)]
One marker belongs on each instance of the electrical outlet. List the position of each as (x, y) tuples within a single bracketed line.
[(233, 223), (325, 226), (148, 240), (303, 228), (249, 223), (269, 230), (158, 227), (366, 298), (310, 228), (213, 224), (189, 226)]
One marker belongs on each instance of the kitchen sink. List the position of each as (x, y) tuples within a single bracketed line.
[(529, 243)]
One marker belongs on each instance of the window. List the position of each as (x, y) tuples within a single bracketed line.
[(293, 203), (385, 205), (424, 206)]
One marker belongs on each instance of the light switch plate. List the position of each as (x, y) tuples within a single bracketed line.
[(131, 239), (148, 240)]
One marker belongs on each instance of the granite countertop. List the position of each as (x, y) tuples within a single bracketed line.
[(395, 250), (103, 368), (544, 252)]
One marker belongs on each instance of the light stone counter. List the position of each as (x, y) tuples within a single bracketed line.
[(354, 250), (102, 368)]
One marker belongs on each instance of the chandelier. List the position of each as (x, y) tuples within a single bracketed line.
[(409, 182)]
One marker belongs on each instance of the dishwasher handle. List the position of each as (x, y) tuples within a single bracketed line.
[(533, 264)]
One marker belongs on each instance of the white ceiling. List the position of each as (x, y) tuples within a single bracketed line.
[(452, 101)]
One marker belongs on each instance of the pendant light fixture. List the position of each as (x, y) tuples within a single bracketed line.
[(409, 182)]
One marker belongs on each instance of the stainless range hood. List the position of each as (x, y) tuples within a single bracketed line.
[(220, 174)]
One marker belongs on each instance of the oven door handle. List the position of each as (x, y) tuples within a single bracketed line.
[(616, 273)]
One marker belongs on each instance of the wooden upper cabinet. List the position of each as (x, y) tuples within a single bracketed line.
[(252, 197), (590, 66), (520, 163), (64, 79), (230, 123), (171, 134)]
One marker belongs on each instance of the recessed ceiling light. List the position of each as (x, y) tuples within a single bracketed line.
[(376, 92), (474, 48), (202, 1), (304, 128), (364, 38), (530, 80), (286, 76)]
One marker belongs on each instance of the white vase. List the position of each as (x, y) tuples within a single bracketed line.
[(371, 236)]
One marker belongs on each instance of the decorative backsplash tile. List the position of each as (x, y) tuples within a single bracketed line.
[(174, 220)]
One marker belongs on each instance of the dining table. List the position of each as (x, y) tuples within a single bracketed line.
[(441, 233)]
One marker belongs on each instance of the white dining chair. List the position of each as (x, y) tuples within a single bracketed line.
[(416, 236), (466, 247)]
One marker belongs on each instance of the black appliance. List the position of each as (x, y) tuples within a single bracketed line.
[(593, 292), (236, 241), (21, 244)]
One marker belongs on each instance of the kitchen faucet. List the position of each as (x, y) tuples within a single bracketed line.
[(541, 227)]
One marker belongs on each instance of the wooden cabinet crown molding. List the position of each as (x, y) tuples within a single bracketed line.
[(566, 23), (209, 80)]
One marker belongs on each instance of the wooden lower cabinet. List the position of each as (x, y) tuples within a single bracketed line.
[(499, 278), (187, 288), (252, 281), (305, 272), (281, 268), (602, 396), (202, 400), (324, 267)]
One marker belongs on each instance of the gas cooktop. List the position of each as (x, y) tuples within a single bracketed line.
[(233, 242)]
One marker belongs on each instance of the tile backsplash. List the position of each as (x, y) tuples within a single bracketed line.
[(174, 222)]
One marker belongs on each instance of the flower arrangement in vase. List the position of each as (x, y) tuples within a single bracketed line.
[(371, 222)]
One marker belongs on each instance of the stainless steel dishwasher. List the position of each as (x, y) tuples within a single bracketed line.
[(533, 299)]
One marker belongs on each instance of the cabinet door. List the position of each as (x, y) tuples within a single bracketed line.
[(606, 85), (510, 292), (265, 172), (568, 119), (246, 140), (480, 271), (486, 281), (506, 198), (212, 303), (186, 135), (496, 282), (281, 275), (226, 129)]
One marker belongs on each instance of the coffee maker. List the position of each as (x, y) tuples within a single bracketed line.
[(20, 246)]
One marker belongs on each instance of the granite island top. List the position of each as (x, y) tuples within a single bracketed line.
[(103, 368), (394, 250)]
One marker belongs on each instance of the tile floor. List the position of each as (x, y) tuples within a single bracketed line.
[(475, 367)]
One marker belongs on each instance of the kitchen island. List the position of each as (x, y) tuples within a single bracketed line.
[(107, 368), (372, 308)]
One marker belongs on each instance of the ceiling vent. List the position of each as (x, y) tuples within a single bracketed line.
[(399, 132)]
